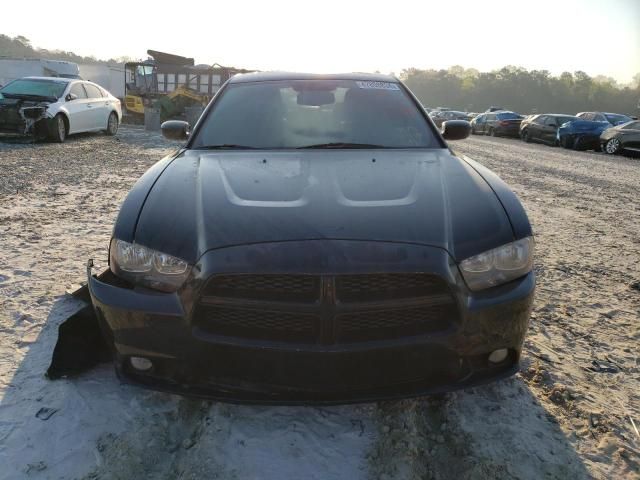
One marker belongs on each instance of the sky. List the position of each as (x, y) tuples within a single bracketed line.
[(600, 37)]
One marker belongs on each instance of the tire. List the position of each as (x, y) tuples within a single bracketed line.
[(112, 124), (58, 130), (612, 146), (525, 136), (581, 144), (473, 130), (492, 132), (567, 142)]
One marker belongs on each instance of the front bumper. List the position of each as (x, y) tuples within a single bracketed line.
[(583, 141), (191, 361), (27, 120)]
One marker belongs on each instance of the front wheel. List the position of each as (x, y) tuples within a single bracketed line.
[(492, 132), (112, 124), (58, 131), (612, 146), (566, 142), (526, 137)]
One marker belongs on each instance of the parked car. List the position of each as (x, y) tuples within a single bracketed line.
[(621, 138), (316, 240), (57, 107), (543, 127), (497, 124), (444, 116), (585, 133), (581, 134), (612, 119)]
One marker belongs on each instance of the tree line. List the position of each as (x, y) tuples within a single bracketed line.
[(459, 88), (522, 90), (20, 47)]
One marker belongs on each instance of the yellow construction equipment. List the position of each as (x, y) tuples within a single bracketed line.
[(171, 83)]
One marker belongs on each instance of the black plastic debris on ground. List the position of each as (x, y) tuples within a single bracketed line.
[(80, 345), (601, 366), (46, 413)]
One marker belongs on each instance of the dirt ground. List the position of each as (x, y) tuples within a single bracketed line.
[(569, 414)]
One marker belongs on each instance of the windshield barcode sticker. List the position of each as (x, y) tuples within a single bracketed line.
[(378, 85)]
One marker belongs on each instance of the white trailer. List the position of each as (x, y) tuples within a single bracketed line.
[(110, 77), (14, 68)]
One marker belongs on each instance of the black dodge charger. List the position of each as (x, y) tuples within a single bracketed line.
[(316, 240)]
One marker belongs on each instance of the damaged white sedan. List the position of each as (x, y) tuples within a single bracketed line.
[(54, 108)]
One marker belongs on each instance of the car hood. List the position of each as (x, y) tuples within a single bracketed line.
[(584, 126), (209, 200)]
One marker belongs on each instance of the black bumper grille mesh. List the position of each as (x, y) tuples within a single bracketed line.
[(327, 309), (399, 323), (259, 324), (267, 287)]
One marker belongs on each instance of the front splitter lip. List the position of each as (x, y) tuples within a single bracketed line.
[(246, 396)]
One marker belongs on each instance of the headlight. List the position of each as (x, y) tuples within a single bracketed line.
[(144, 266), (499, 265)]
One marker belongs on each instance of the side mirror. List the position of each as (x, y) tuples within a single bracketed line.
[(455, 129), (175, 130), (71, 97)]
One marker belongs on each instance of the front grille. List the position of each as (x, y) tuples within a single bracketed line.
[(362, 288), (325, 309), (265, 287), (399, 323), (259, 324)]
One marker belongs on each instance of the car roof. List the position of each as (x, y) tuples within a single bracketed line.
[(55, 79), (605, 113), (273, 76)]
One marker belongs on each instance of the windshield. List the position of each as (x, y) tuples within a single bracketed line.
[(563, 120), (315, 114), (617, 119), (508, 116), (40, 88)]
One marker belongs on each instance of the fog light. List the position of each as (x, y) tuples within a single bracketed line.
[(499, 355), (140, 363)]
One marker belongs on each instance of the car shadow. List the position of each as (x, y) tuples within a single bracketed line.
[(92, 426)]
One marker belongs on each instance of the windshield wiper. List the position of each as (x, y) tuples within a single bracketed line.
[(343, 145), (223, 146)]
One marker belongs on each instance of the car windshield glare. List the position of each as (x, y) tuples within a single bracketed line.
[(35, 87), (509, 116), (563, 120), (615, 119), (315, 113)]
